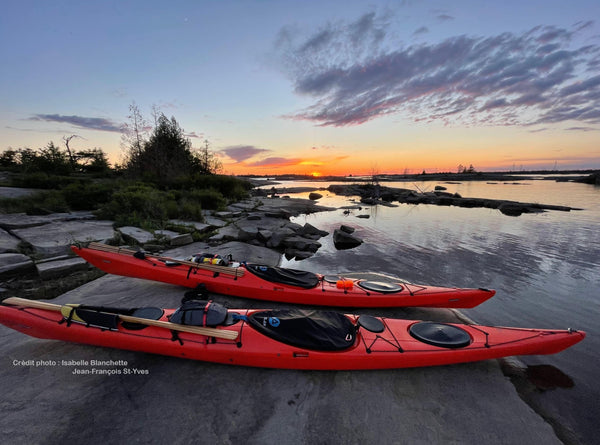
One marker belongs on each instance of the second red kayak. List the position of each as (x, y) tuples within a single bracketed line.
[(283, 338), (276, 283)]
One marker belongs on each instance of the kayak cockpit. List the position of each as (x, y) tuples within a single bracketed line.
[(304, 328), (282, 275)]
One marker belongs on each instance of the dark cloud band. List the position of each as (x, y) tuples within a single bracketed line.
[(240, 153), (92, 123)]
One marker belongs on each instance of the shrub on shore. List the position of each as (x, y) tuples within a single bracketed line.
[(133, 203), (162, 178)]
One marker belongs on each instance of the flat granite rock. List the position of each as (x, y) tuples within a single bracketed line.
[(54, 239), (11, 221), (61, 267), (14, 264), (155, 399), (139, 236), (8, 243)]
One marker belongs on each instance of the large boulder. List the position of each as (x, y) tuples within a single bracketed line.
[(343, 240), (302, 244), (309, 229)]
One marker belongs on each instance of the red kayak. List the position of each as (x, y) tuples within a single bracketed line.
[(276, 283), (285, 339)]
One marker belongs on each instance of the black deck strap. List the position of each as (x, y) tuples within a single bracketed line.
[(216, 274), (140, 255), (175, 337), (69, 319), (379, 337), (189, 272), (487, 335)]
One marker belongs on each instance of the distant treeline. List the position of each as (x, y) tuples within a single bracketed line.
[(161, 178)]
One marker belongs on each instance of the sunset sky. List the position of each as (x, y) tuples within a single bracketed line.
[(323, 87)]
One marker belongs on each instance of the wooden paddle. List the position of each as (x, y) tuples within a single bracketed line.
[(211, 332), (236, 271)]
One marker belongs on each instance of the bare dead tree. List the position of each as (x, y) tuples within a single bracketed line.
[(72, 160)]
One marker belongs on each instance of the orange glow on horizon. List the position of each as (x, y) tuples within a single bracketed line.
[(368, 162)]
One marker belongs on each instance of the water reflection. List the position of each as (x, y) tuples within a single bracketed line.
[(545, 268), (546, 377)]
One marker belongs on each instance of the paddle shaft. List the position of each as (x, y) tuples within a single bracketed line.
[(236, 271), (211, 332)]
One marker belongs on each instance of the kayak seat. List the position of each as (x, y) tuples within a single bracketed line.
[(291, 277), (304, 328), (440, 334)]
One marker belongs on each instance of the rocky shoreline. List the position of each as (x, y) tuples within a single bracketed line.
[(374, 194), (259, 230), (36, 261), (35, 250)]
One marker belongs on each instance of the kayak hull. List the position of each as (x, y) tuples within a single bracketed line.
[(394, 347), (248, 285)]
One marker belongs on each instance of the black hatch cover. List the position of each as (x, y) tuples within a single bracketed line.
[(440, 334)]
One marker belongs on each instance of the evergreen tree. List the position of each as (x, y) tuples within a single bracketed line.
[(165, 156)]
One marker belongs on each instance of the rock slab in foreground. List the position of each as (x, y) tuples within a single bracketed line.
[(198, 402)]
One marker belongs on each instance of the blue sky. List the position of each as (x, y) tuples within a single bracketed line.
[(313, 87)]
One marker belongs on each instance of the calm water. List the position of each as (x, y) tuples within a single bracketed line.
[(545, 268)]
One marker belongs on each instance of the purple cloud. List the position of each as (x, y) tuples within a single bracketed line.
[(536, 77), (444, 17), (276, 161), (91, 123), (240, 153)]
